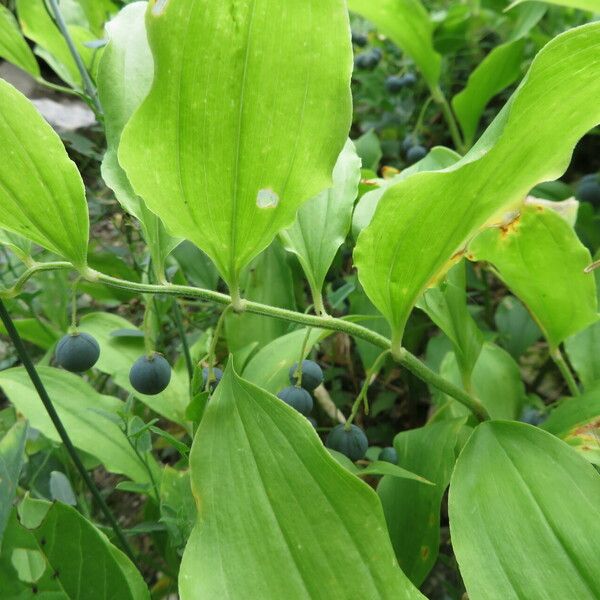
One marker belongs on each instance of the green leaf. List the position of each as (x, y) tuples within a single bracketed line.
[(80, 408), (540, 258), (518, 331), (499, 69), (39, 27), (42, 195), (407, 24), (117, 355), (446, 306), (583, 350), (577, 422), (35, 331), (524, 516), (125, 76), (323, 222), (267, 279), (423, 223), (368, 148), (12, 457), (197, 268), (97, 13), (61, 490), (19, 245), (272, 522), (71, 558), (412, 510), (269, 367), (177, 506), (589, 5), (13, 46), (221, 166), (436, 159), (496, 381)]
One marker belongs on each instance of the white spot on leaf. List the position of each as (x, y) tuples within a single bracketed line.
[(267, 198)]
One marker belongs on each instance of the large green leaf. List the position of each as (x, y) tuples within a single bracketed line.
[(12, 457), (83, 412), (589, 5), (117, 355), (500, 68), (13, 47), (323, 222), (278, 517), (583, 350), (125, 76), (423, 223), (267, 279), (226, 150), (518, 331), (540, 258), (76, 561), (41, 192), (525, 516), (407, 24), (412, 510)]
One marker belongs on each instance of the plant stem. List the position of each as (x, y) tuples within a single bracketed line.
[(422, 371), (442, 102), (565, 371), (184, 343), (88, 86), (408, 360), (62, 432), (15, 290), (298, 371)]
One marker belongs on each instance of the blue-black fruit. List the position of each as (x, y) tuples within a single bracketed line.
[(297, 398), (217, 375), (588, 189), (532, 415), (77, 352), (394, 84), (313, 422), (408, 142), (368, 60), (409, 80), (415, 154), (359, 39), (389, 454), (312, 375), (150, 374), (351, 442)]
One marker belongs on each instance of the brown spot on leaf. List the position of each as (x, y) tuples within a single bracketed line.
[(424, 552)]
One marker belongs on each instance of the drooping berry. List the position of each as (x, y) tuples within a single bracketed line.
[(394, 84), (359, 39), (312, 375), (409, 141), (351, 442), (409, 80), (77, 352), (150, 375), (415, 154), (588, 189), (297, 398), (368, 60), (389, 454), (217, 375)]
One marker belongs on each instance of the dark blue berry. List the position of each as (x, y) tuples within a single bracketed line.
[(312, 375), (351, 442), (415, 154), (297, 398), (588, 189), (150, 375), (77, 352), (389, 454), (217, 375)]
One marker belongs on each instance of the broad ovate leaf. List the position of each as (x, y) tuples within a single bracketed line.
[(323, 222), (248, 112), (525, 516), (86, 414), (539, 257), (583, 350), (499, 69), (125, 76), (277, 516), (407, 24), (13, 46), (42, 196), (423, 223)]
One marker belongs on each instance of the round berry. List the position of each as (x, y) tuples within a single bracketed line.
[(394, 84), (350, 442), (77, 352), (409, 80), (389, 454), (312, 375), (297, 398), (217, 375), (368, 60), (150, 375), (313, 422), (415, 154), (588, 189), (359, 39)]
